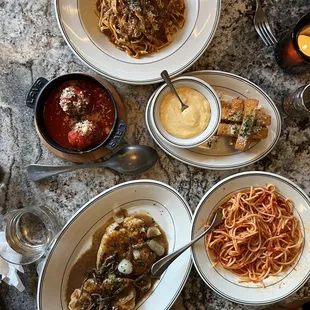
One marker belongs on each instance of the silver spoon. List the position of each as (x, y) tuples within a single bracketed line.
[(160, 266), (166, 78), (133, 159)]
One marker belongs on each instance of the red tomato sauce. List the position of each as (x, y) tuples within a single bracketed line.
[(99, 112)]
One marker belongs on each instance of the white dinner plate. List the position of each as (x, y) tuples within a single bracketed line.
[(223, 281), (78, 24), (223, 156), (161, 201)]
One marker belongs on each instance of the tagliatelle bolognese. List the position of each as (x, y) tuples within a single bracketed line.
[(140, 27), (260, 235)]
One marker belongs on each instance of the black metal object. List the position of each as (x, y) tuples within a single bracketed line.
[(115, 139), (2, 306), (38, 95), (1, 174), (34, 91)]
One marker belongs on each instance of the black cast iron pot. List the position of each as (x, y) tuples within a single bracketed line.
[(38, 95)]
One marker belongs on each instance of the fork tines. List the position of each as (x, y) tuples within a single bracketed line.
[(262, 26)]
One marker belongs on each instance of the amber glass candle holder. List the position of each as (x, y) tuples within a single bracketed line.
[(288, 53)]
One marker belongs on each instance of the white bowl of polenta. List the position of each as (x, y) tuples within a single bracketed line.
[(193, 126)]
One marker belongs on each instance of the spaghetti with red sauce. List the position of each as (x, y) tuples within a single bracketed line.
[(260, 235)]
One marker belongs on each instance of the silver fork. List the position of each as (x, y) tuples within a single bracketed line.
[(262, 26), (160, 266)]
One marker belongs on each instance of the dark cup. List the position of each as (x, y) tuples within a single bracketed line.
[(287, 52), (2, 307), (36, 100)]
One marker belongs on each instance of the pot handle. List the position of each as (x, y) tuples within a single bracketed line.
[(117, 136), (34, 91)]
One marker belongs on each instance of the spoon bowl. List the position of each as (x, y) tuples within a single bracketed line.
[(133, 159)]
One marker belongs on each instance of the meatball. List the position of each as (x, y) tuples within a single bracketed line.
[(74, 100), (84, 135)]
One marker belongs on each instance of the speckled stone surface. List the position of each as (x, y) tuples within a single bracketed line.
[(31, 46)]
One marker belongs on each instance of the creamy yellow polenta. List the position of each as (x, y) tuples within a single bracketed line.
[(192, 121)]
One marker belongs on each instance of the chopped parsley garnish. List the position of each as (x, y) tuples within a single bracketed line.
[(246, 127), (141, 264)]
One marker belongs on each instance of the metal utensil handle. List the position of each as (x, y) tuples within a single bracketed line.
[(40, 172), (166, 78), (160, 266)]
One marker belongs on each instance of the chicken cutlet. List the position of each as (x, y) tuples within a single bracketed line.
[(128, 248), (128, 238)]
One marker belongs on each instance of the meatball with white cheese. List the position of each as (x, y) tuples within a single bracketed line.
[(84, 135), (74, 100)]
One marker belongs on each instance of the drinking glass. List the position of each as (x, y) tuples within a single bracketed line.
[(298, 103), (292, 50), (26, 234)]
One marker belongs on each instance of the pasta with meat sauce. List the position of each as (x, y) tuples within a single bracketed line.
[(140, 27)]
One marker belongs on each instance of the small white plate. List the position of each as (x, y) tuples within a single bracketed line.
[(224, 282), (223, 156), (161, 201), (78, 23)]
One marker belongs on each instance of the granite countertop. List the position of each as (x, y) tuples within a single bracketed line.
[(32, 46)]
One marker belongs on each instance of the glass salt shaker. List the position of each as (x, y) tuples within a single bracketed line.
[(297, 104)]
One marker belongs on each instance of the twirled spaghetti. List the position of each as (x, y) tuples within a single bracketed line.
[(140, 27), (260, 236)]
